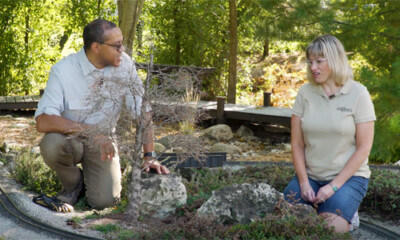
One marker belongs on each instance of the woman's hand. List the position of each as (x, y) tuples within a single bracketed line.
[(323, 194), (307, 192)]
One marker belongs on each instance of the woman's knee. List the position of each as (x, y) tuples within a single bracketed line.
[(340, 224)]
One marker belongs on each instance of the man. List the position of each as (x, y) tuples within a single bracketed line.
[(77, 101)]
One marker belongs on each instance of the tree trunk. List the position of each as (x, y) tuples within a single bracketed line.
[(177, 34), (232, 52), (265, 51), (135, 180), (128, 16), (134, 189)]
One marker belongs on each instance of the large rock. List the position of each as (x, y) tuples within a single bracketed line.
[(158, 147), (242, 203), (220, 132), (161, 194), (223, 147), (244, 132)]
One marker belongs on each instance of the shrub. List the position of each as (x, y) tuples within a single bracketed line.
[(34, 174), (383, 195)]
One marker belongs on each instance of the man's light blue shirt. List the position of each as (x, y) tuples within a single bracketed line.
[(77, 91)]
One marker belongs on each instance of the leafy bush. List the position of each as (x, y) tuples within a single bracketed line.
[(383, 195), (285, 226), (35, 175)]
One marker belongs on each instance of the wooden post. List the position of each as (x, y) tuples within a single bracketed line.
[(220, 109), (267, 99)]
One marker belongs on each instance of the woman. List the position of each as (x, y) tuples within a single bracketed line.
[(332, 134)]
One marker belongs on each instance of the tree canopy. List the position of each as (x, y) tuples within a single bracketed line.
[(37, 33)]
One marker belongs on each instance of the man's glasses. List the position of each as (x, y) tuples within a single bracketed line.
[(116, 46), (318, 61)]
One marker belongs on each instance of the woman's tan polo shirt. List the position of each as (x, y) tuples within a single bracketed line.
[(329, 127)]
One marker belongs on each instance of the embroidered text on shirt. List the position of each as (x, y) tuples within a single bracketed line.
[(344, 109)]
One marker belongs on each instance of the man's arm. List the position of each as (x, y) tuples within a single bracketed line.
[(53, 123), (148, 146), (56, 124)]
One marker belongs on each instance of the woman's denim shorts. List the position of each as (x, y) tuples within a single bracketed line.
[(344, 202)]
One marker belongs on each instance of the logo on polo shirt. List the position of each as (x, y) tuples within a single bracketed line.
[(344, 109)]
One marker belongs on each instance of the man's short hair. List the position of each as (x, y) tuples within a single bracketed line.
[(94, 32)]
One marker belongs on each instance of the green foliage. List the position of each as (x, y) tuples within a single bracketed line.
[(385, 91), (82, 204), (127, 234), (3, 160), (190, 33), (383, 196), (106, 228), (94, 215), (35, 175), (76, 220), (34, 33), (285, 226)]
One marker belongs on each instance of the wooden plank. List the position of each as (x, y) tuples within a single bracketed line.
[(250, 113), (10, 99), (16, 106), (36, 98), (19, 102), (29, 99), (19, 99)]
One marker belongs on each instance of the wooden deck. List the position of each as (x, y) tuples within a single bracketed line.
[(265, 114), (259, 114), (19, 102)]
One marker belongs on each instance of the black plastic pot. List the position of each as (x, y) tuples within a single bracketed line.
[(215, 159)]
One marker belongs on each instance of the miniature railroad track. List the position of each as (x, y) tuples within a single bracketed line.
[(378, 230), (30, 222), (16, 213)]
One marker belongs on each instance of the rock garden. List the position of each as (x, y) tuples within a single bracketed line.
[(240, 202)]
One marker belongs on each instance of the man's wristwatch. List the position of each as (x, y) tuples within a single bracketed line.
[(150, 154), (333, 186)]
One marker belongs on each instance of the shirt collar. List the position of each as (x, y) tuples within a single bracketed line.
[(344, 90), (347, 86), (86, 65)]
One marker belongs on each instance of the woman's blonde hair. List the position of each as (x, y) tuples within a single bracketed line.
[(329, 47)]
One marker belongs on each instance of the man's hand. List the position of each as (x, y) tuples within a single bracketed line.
[(152, 163), (106, 147)]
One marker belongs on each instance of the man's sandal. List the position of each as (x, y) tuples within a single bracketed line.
[(52, 203)]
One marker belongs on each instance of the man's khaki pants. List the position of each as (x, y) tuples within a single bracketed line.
[(102, 178)]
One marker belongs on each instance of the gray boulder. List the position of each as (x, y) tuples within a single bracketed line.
[(244, 132), (220, 132), (158, 147), (223, 147), (161, 194), (242, 203)]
